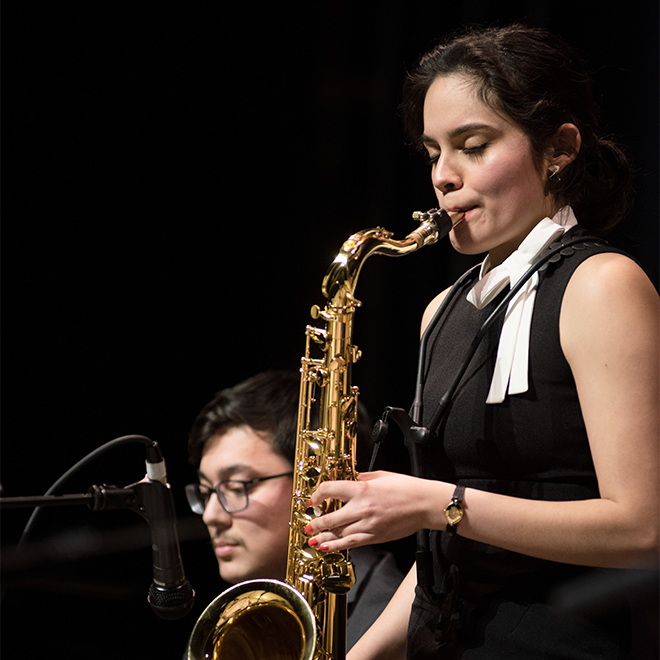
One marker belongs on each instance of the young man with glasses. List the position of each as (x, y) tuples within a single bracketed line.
[(242, 444)]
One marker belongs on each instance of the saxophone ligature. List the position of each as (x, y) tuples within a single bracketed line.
[(304, 618)]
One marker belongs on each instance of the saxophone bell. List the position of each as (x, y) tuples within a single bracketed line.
[(254, 620)]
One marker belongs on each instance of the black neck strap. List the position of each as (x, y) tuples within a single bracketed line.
[(554, 253)]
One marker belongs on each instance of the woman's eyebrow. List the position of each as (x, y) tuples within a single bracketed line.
[(459, 130)]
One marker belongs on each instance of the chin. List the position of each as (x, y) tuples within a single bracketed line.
[(233, 576), (465, 247)]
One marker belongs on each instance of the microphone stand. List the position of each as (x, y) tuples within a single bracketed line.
[(136, 498), (149, 499), (44, 500), (97, 498), (171, 595)]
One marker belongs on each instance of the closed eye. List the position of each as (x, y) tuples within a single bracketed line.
[(479, 149)]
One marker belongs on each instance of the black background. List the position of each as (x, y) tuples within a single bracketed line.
[(177, 179)]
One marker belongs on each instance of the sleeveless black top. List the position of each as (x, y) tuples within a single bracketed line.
[(496, 603)]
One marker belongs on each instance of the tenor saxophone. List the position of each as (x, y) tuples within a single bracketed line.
[(304, 618)]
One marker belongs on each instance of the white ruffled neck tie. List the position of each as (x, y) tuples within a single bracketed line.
[(511, 365)]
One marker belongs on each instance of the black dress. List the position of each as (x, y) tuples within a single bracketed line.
[(496, 603)]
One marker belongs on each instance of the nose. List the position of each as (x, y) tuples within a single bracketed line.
[(214, 515), (445, 175)]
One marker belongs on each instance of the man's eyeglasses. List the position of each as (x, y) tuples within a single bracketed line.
[(232, 494)]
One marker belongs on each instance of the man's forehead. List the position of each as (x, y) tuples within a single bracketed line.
[(237, 452)]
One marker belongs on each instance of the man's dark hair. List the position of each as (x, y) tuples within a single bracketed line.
[(267, 403)]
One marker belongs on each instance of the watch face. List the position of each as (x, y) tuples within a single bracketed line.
[(454, 513)]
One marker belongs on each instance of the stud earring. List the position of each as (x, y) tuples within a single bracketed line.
[(553, 169)]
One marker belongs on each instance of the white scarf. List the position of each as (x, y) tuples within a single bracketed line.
[(511, 365)]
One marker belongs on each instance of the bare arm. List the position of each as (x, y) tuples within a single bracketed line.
[(610, 336), (386, 639)]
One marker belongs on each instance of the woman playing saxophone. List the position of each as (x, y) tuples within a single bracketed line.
[(544, 467)]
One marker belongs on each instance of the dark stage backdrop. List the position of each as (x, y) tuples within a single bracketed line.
[(177, 181)]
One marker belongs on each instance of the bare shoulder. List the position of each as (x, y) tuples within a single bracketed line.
[(608, 297), (607, 270), (432, 308), (609, 279)]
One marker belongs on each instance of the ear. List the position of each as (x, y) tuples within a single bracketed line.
[(564, 147)]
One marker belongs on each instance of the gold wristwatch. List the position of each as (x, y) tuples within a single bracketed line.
[(454, 510)]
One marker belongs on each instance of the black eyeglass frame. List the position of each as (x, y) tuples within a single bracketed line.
[(195, 493)]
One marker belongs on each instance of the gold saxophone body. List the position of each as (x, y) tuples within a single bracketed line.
[(304, 618)]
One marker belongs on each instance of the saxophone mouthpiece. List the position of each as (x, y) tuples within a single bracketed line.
[(443, 220), (456, 217), (436, 214)]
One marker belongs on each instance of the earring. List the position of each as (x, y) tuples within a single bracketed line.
[(553, 169)]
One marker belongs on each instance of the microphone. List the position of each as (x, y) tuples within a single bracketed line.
[(171, 596)]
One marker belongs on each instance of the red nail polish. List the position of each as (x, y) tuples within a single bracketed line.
[(312, 543), (323, 546), (308, 529)]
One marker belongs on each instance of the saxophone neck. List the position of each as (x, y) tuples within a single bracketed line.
[(341, 278)]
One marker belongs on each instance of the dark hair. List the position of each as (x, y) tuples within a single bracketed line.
[(541, 83), (267, 403), (263, 402)]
